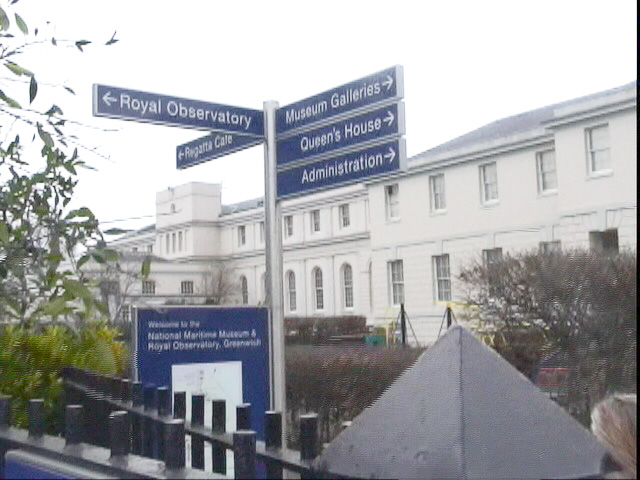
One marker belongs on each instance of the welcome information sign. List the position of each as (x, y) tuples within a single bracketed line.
[(222, 353)]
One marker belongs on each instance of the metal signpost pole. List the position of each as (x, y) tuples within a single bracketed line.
[(273, 250)]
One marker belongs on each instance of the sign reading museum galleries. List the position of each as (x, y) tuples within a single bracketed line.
[(222, 353), (344, 169)]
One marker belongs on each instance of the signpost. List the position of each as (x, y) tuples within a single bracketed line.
[(126, 104), (212, 146), (344, 135)]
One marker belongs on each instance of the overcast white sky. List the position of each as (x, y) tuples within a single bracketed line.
[(466, 63)]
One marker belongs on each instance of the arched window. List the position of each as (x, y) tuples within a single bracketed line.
[(317, 288), (347, 286), (291, 290), (244, 290)]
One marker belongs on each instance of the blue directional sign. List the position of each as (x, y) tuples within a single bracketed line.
[(343, 169), (212, 146), (376, 125), (148, 107), (384, 86)]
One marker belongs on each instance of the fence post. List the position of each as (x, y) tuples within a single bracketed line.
[(164, 410), (244, 454), (118, 433), (219, 425), (136, 420), (273, 440), (36, 418), (197, 419), (149, 440), (5, 411), (243, 416), (174, 441), (308, 438), (73, 425), (180, 405)]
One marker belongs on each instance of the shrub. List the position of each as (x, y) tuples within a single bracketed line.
[(338, 382), (31, 359)]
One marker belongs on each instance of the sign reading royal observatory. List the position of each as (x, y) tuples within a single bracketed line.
[(343, 169), (210, 147), (148, 107), (384, 86), (222, 353)]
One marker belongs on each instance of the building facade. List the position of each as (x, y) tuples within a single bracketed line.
[(557, 177)]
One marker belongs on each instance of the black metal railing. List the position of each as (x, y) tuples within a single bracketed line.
[(149, 414)]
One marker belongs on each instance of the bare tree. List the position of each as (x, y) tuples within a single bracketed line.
[(219, 285)]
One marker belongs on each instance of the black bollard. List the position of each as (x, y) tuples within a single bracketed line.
[(244, 453)]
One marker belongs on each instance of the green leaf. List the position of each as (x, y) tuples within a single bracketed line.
[(98, 258), (146, 267), (113, 39), (68, 89), (77, 289), (83, 259), (53, 110), (9, 101), (4, 20), (80, 212), (17, 69), (21, 25), (110, 254), (54, 307), (82, 43), (4, 233), (46, 138), (33, 88), (53, 41)]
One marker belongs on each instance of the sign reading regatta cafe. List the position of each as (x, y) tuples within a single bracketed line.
[(222, 353)]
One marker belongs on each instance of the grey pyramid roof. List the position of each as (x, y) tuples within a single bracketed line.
[(461, 411)]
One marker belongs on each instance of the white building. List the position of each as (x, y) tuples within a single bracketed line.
[(560, 176)]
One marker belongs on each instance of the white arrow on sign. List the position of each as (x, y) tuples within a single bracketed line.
[(389, 118), (388, 82), (391, 155), (108, 99)]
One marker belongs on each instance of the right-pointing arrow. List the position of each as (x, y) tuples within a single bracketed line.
[(389, 118), (388, 82), (391, 155)]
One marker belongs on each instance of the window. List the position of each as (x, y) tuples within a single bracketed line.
[(317, 288), (261, 232), (179, 241), (436, 186), (547, 177), (547, 248), (605, 242), (150, 248), (134, 249), (345, 221), (263, 282), (173, 242), (125, 313), (291, 290), (244, 290), (288, 226), (186, 287), (242, 235), (396, 282), (315, 220), (489, 182), (347, 285), (166, 243), (173, 208), (392, 203), (491, 256), (598, 148), (443, 278), (148, 287)]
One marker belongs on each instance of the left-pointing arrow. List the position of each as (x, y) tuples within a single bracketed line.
[(391, 155), (108, 99)]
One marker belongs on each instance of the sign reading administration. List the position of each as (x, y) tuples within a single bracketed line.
[(343, 169), (148, 107)]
